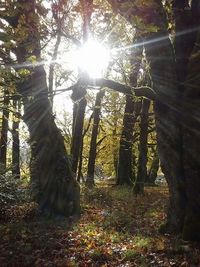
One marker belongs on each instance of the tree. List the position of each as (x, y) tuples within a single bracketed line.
[(187, 19), (4, 132), (55, 189), (15, 139), (79, 92), (176, 128), (125, 173), (153, 170), (93, 142), (142, 160)]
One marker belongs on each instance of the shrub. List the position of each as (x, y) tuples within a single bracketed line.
[(12, 192)]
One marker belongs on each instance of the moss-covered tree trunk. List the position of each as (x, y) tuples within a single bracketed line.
[(124, 170), (178, 126), (4, 132), (160, 55), (125, 173), (51, 175), (142, 160), (153, 170), (168, 126), (54, 188), (16, 141), (79, 94), (77, 133), (187, 19), (93, 142)]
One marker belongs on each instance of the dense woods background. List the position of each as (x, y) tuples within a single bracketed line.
[(73, 126)]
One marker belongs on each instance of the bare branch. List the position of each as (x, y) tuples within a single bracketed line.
[(142, 91)]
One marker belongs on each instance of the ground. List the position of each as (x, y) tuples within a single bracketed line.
[(116, 229)]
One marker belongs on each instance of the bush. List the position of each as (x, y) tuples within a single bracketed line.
[(12, 192)]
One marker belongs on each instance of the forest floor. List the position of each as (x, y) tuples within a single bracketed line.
[(116, 229)]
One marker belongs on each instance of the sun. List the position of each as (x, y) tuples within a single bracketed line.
[(93, 58)]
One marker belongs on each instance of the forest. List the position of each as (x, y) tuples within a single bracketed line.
[(99, 133)]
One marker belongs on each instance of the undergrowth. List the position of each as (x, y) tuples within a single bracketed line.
[(116, 229)]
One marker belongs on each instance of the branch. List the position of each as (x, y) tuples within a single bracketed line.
[(143, 91), (101, 140), (88, 126)]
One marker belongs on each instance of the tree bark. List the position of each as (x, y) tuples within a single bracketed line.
[(4, 132), (168, 128), (52, 180), (79, 93), (159, 52), (77, 132), (125, 173), (153, 171), (55, 189), (142, 161), (16, 141), (93, 142), (125, 168), (191, 126)]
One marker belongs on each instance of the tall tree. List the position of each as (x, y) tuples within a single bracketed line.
[(142, 160), (4, 132), (153, 170), (93, 142), (79, 93), (78, 121), (187, 23), (174, 107), (16, 140), (125, 168), (55, 189)]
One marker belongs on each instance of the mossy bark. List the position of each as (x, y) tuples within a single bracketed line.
[(78, 121), (125, 168), (93, 142), (142, 160), (54, 187), (16, 140), (4, 133), (153, 171)]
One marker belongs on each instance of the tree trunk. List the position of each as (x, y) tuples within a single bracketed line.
[(16, 141), (78, 121), (187, 62), (124, 171), (55, 189), (4, 133), (78, 95), (168, 128), (125, 165), (159, 52), (142, 161), (80, 174), (51, 176), (153, 171), (93, 143)]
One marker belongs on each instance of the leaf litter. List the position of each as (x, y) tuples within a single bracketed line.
[(117, 229)]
